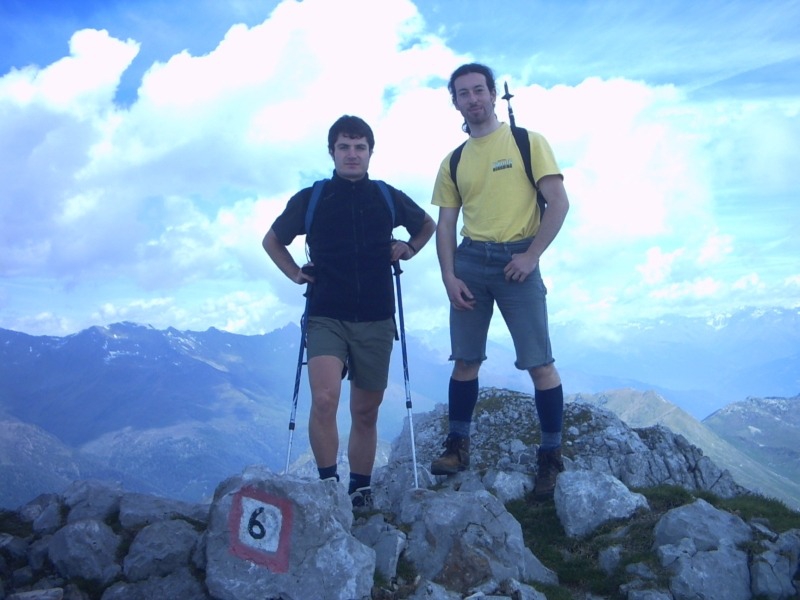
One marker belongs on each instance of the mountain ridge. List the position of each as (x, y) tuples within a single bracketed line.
[(145, 405), (765, 429)]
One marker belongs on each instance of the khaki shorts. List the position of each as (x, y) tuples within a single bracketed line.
[(364, 347)]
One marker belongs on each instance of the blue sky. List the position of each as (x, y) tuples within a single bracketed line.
[(146, 147)]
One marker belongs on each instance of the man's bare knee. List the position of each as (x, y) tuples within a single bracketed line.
[(325, 406), (545, 377), (465, 371), (364, 406)]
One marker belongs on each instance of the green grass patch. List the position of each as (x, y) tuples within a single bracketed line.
[(576, 561), (774, 513), (573, 560)]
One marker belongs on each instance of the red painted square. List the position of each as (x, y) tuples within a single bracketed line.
[(260, 527)]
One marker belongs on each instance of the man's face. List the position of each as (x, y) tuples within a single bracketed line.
[(473, 99), (351, 157)]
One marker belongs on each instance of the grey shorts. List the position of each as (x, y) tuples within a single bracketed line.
[(523, 305), (364, 347)]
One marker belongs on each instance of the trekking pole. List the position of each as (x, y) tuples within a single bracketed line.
[(300, 363), (397, 271), (507, 97)]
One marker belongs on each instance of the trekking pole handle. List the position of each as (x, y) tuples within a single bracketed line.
[(507, 97), (308, 270)]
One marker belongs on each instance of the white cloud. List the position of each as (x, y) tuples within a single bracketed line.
[(658, 265), (79, 205), (173, 193), (750, 281), (628, 152), (110, 312), (715, 249), (752, 142), (81, 83), (703, 287)]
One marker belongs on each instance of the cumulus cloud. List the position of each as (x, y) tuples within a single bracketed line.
[(715, 249), (80, 84), (154, 211), (658, 265)]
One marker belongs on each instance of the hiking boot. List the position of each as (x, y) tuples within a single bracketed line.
[(455, 457), (362, 499), (549, 465)]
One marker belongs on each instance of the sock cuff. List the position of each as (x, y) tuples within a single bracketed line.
[(328, 472), (461, 428), (358, 481), (550, 440)]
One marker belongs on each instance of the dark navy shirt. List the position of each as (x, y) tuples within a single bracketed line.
[(350, 246)]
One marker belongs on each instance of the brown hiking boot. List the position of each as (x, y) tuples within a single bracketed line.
[(455, 457), (362, 500), (549, 465)]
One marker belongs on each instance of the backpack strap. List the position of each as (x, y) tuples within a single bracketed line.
[(455, 157), (524, 145), (316, 193), (387, 196)]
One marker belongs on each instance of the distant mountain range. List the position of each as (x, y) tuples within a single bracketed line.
[(174, 412), (765, 429), (701, 365)]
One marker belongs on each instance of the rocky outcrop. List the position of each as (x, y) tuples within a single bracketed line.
[(282, 537)]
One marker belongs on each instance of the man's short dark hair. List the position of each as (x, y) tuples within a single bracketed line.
[(471, 68), (352, 127)]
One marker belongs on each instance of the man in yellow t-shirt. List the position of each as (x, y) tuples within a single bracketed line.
[(497, 261)]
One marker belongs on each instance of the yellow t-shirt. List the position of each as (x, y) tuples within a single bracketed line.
[(497, 198)]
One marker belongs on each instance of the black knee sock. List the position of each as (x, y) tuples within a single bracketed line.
[(462, 398), (550, 408)]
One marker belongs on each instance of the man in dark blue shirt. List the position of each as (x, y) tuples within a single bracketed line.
[(351, 307)]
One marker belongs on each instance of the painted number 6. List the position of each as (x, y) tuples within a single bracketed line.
[(254, 527)]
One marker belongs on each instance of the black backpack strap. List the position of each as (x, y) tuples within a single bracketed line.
[(387, 197), (316, 192), (455, 157), (524, 145)]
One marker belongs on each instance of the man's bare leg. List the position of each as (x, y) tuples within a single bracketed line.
[(364, 405), (325, 377)]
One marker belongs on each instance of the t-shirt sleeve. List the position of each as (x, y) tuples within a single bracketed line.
[(445, 193), (542, 158), (292, 221), (408, 213)]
